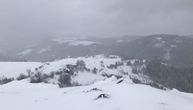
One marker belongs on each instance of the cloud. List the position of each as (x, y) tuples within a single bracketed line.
[(41, 18)]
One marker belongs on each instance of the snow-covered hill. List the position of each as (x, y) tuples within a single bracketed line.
[(174, 49), (102, 95), (13, 69), (86, 83), (87, 70), (76, 71)]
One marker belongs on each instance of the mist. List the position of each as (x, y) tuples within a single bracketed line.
[(104, 18)]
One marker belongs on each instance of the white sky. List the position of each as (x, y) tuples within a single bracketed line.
[(41, 18)]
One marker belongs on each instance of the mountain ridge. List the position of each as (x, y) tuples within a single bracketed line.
[(170, 48)]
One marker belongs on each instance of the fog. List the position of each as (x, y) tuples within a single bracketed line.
[(50, 18)]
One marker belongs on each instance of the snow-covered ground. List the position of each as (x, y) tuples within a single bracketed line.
[(21, 95), (96, 92), (90, 62), (100, 63), (13, 69)]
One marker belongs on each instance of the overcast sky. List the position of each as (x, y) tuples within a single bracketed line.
[(32, 18)]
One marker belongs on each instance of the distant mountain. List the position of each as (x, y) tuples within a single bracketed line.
[(58, 48), (170, 48), (191, 36), (7, 58)]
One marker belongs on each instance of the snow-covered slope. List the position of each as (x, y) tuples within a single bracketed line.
[(81, 70), (90, 62), (102, 95), (105, 83), (87, 70), (13, 69)]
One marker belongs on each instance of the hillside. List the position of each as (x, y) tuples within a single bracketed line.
[(81, 70), (96, 82), (86, 70), (173, 49)]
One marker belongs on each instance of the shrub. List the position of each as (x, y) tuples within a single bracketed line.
[(137, 81), (95, 70), (129, 63), (36, 78), (29, 72), (4, 80), (80, 65), (64, 80), (22, 76)]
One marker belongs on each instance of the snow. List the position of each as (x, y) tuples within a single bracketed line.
[(25, 52), (100, 63), (159, 45), (119, 41), (125, 95), (158, 38), (20, 95), (43, 50), (90, 62), (74, 41), (85, 78), (120, 70), (167, 55), (173, 46), (63, 40), (85, 43), (159, 42), (178, 41), (13, 69), (56, 65)]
